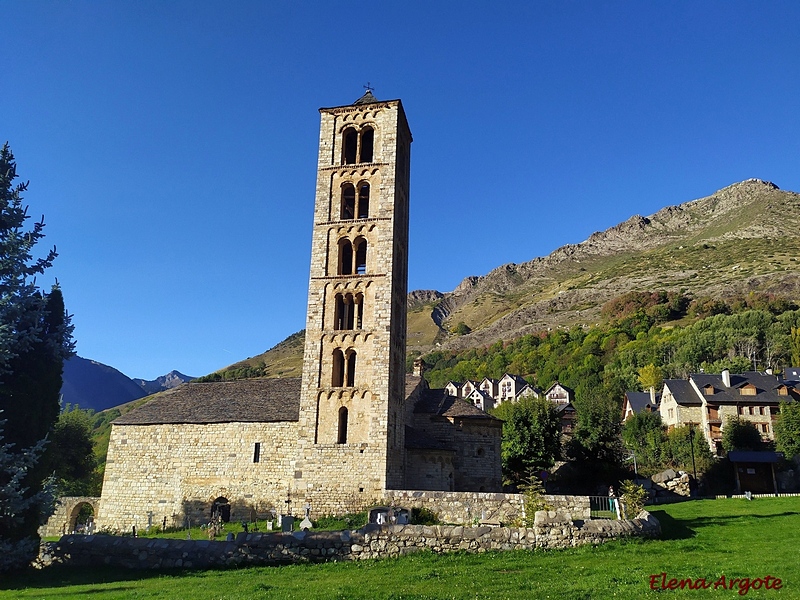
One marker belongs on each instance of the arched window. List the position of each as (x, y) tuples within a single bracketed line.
[(338, 368), (359, 310), (351, 368), (361, 256), (363, 200), (348, 210), (345, 257), (341, 438), (348, 309), (350, 146), (367, 140)]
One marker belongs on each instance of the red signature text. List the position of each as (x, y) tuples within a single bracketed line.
[(741, 584)]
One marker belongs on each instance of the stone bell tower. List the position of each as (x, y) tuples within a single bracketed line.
[(351, 425)]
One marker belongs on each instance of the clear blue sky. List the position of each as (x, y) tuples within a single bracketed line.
[(172, 146)]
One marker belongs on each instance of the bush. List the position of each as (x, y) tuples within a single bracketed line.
[(633, 497), (423, 516)]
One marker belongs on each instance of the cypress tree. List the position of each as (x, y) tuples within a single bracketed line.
[(35, 338)]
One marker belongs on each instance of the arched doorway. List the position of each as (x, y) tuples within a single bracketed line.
[(81, 518), (221, 508)]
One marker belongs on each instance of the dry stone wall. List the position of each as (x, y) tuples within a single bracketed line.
[(469, 507), (554, 529)]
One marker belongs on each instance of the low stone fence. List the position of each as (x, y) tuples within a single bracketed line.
[(554, 529), (471, 507)]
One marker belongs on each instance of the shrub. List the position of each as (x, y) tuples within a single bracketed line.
[(633, 497)]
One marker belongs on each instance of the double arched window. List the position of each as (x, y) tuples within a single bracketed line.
[(353, 257), (349, 311), (357, 147), (344, 368), (352, 209)]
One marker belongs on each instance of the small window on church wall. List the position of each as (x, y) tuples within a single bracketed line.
[(363, 201), (351, 369), (367, 141), (361, 256), (348, 202), (257, 452), (350, 144), (341, 438), (345, 258), (337, 379)]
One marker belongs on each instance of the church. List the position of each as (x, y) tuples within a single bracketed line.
[(355, 424)]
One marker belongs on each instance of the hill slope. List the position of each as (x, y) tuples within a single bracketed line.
[(742, 238)]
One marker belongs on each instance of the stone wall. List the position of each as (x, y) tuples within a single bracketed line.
[(62, 521), (176, 471), (467, 507), (552, 529)]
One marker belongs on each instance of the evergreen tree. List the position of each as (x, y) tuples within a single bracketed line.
[(35, 338), (17, 502)]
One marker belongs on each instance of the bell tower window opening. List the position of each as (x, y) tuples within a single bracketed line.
[(361, 256), (363, 201), (348, 311), (367, 142), (351, 368), (341, 437), (338, 368), (350, 146), (348, 209), (345, 257), (359, 309)]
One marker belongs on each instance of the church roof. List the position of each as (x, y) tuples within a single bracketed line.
[(242, 401), (367, 98), (439, 402)]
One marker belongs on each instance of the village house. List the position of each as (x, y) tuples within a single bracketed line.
[(637, 402), (707, 401)]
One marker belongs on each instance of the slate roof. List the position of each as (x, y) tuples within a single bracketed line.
[(640, 400), (367, 98), (766, 388), (438, 402), (683, 392), (754, 456), (242, 401)]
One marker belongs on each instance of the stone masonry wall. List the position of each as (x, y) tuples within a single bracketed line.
[(176, 471), (551, 530), (466, 507)]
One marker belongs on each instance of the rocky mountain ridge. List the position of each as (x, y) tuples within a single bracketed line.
[(570, 285)]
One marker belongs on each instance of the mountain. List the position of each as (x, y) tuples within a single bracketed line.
[(165, 382), (742, 238), (90, 384)]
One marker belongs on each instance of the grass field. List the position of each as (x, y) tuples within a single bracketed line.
[(702, 539)]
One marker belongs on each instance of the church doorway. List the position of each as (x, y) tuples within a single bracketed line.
[(221, 509)]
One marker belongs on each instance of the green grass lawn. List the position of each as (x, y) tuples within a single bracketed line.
[(702, 539)]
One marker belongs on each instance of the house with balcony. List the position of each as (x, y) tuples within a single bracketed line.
[(708, 401)]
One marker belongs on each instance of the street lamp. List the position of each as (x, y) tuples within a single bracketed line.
[(691, 445)]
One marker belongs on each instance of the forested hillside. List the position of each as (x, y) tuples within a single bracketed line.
[(675, 332)]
